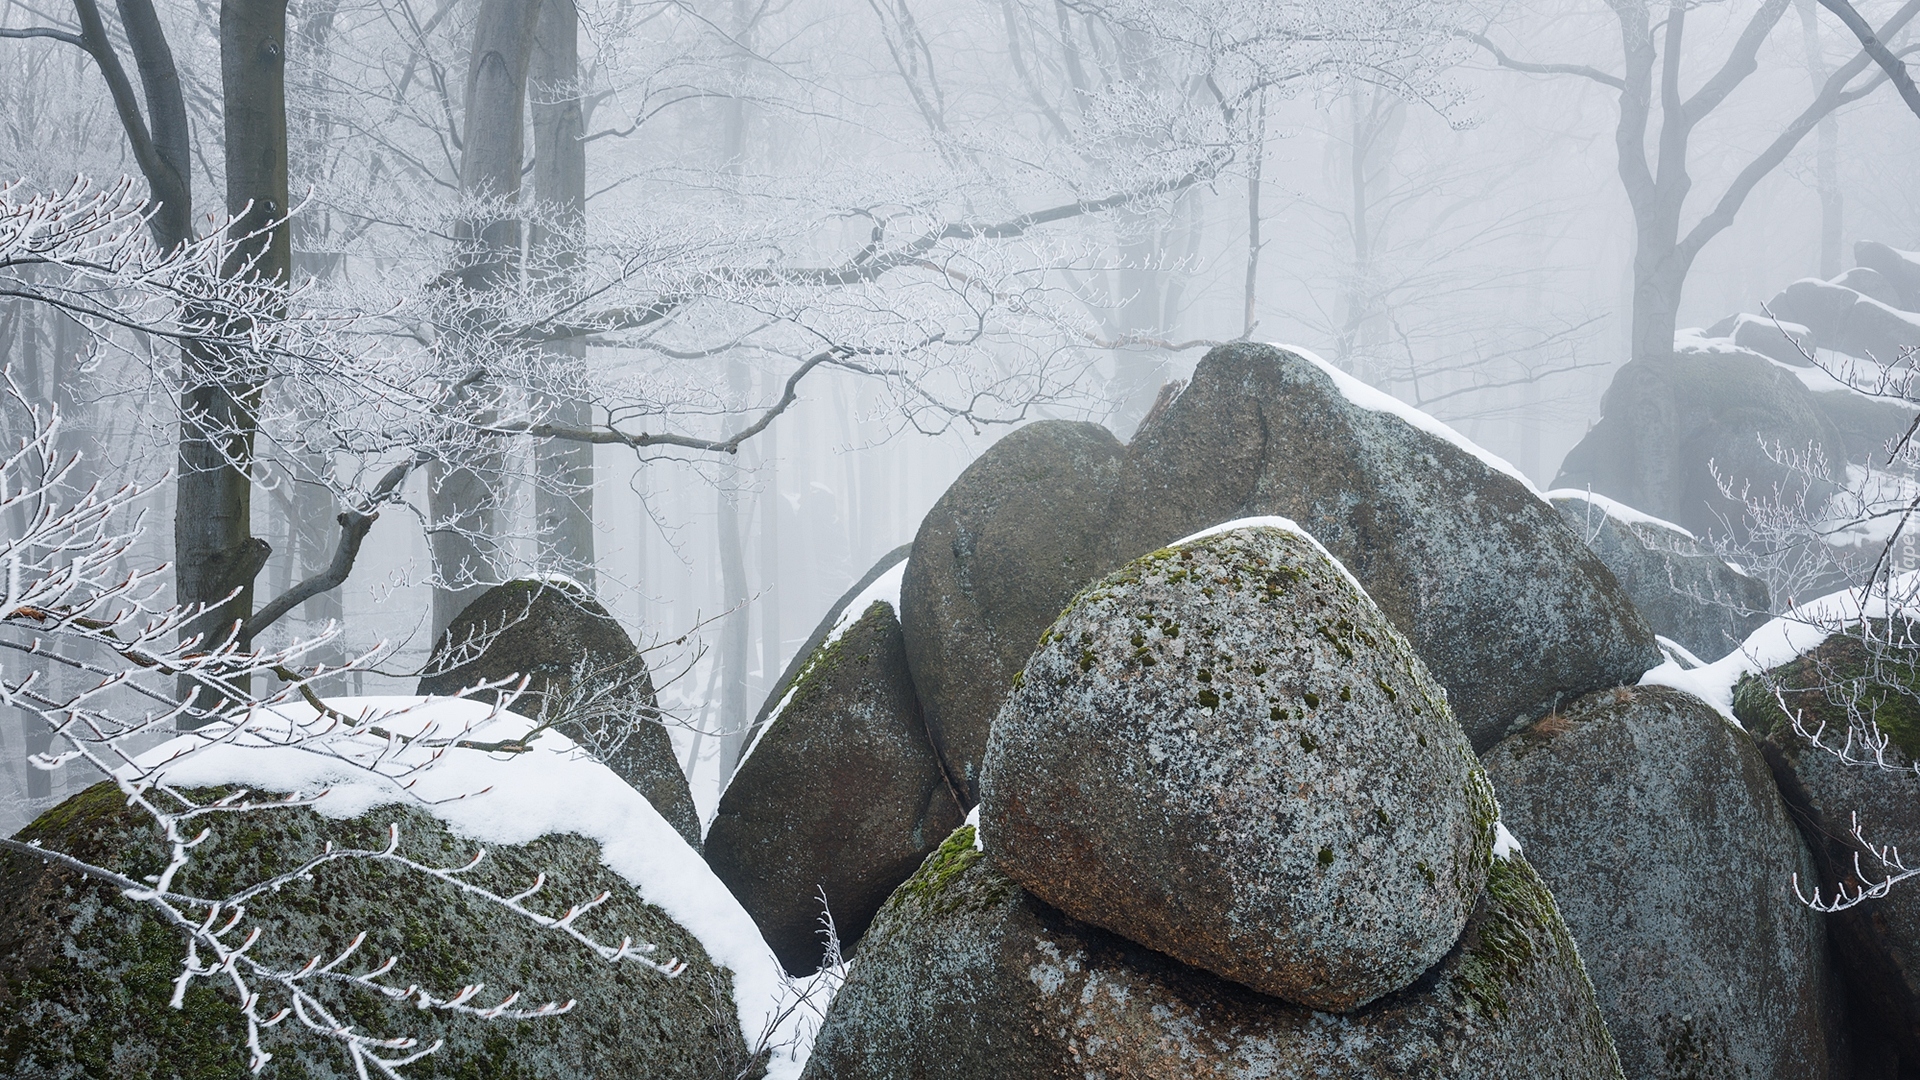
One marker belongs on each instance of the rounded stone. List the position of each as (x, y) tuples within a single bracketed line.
[(965, 976), (571, 651), (1225, 752), (87, 976), (1656, 824)]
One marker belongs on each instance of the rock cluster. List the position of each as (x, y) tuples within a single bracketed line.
[(1231, 829)]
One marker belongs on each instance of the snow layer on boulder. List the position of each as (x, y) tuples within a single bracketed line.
[(1284, 524), (491, 798), (1783, 638), (1377, 400), (1616, 510)]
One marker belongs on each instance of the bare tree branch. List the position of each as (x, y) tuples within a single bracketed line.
[(1871, 44)]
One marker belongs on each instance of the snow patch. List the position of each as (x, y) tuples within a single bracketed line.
[(1505, 847), (1283, 524), (490, 798), (1782, 639), (973, 819), (885, 587), (1373, 399), (1616, 510)]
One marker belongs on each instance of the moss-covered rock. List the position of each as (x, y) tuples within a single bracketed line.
[(965, 976), (995, 560), (1657, 825), (1225, 752), (1504, 604), (553, 633), (842, 794), (1842, 683), (86, 975), (1685, 591)]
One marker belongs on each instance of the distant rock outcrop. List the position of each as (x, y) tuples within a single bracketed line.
[(1225, 752), (965, 976), (994, 561), (1508, 609), (1845, 687), (1656, 824), (86, 975), (1686, 592), (840, 795), (581, 667), (1671, 427)]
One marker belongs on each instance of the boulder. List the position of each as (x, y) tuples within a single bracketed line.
[(581, 670), (1225, 752), (1844, 685), (86, 975), (841, 795), (837, 616), (1845, 321), (1782, 341), (1504, 604), (1686, 592), (1011, 541), (1900, 269), (1872, 284), (1669, 424), (1656, 824), (966, 976)]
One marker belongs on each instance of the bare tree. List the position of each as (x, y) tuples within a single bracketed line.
[(1657, 184)]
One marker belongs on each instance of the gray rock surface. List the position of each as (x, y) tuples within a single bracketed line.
[(581, 668), (1668, 423), (842, 794), (86, 976), (1686, 592), (1656, 824), (1011, 541), (1845, 321), (1877, 944), (965, 976), (821, 631), (1225, 752), (1896, 267), (1507, 608)]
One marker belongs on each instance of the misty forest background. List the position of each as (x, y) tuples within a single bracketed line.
[(1459, 237)]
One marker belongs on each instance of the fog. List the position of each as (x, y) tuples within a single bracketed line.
[(979, 213)]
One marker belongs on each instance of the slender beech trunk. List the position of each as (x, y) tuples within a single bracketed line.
[(1826, 169), (463, 494), (218, 554), (563, 488)]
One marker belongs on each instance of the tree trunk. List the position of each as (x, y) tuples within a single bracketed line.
[(216, 551), (463, 493), (1827, 147), (563, 488)]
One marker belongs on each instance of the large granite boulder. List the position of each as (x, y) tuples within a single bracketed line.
[(1504, 604), (1225, 752), (1011, 541), (1656, 824), (966, 976), (1900, 269), (582, 672), (86, 975), (1845, 321), (1686, 592), (1673, 427), (840, 796), (1844, 690)]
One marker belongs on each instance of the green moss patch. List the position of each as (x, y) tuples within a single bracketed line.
[(1842, 677)]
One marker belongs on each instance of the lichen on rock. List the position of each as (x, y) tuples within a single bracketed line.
[(1225, 752)]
